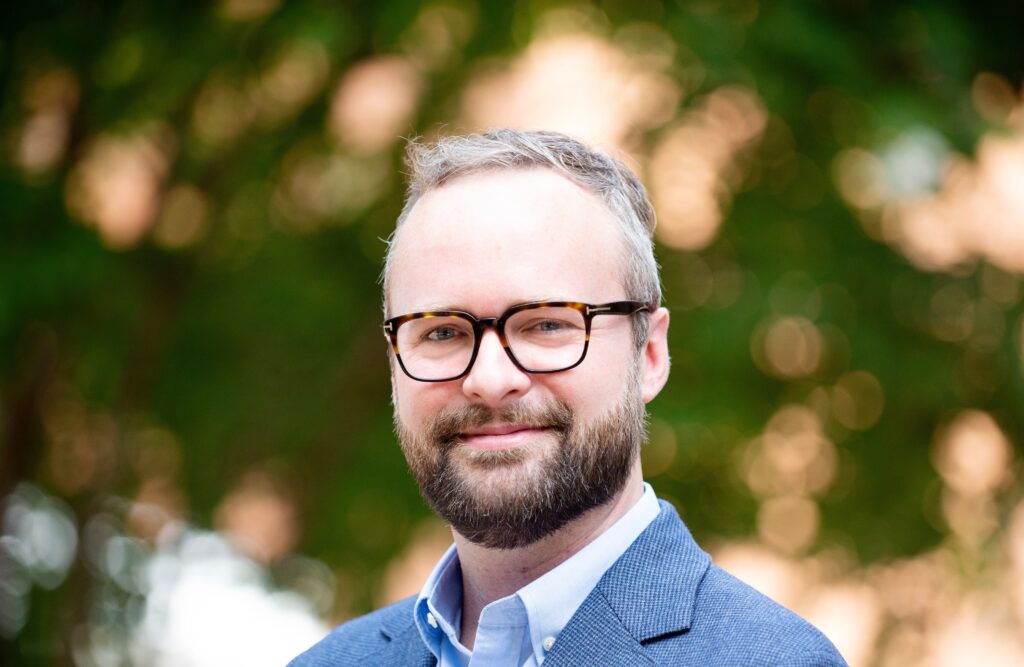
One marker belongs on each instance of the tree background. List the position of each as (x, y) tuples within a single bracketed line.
[(194, 199)]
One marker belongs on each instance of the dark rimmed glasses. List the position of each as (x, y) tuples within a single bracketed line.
[(541, 337)]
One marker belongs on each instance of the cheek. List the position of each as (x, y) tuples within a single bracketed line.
[(589, 391), (416, 402)]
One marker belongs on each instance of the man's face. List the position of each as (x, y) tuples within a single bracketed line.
[(505, 456)]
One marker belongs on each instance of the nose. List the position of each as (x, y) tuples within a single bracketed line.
[(494, 379)]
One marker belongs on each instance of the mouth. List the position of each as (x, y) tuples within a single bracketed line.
[(502, 436)]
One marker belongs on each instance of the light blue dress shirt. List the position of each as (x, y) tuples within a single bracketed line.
[(517, 630)]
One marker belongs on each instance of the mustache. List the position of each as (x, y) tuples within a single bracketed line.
[(450, 423)]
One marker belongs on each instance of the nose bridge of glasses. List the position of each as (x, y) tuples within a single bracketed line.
[(482, 325), (496, 323), (485, 323)]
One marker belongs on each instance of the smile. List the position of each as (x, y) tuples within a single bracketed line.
[(506, 436)]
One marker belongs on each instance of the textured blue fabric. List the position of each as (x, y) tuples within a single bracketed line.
[(662, 603)]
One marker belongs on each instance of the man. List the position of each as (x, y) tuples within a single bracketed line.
[(523, 312)]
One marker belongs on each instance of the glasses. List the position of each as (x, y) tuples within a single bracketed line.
[(542, 337)]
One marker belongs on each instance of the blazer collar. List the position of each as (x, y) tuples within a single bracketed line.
[(653, 587), (406, 646), (648, 593)]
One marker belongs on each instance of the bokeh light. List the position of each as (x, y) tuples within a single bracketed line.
[(183, 218), (973, 455), (857, 400), (247, 10), (207, 605), (294, 76), (116, 184), (51, 99), (374, 103), (788, 347), (259, 516), (940, 209), (572, 80), (699, 163)]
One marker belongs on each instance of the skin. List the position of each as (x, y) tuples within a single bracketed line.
[(482, 243)]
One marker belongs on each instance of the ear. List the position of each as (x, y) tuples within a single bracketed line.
[(654, 361)]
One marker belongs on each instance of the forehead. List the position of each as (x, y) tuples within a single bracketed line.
[(491, 239)]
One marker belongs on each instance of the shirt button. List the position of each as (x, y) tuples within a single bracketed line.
[(433, 621), (548, 643)]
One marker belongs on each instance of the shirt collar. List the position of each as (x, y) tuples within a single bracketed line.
[(440, 601), (550, 601)]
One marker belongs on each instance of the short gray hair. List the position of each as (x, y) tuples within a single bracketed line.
[(432, 165)]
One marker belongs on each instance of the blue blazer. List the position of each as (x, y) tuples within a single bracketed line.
[(662, 603)]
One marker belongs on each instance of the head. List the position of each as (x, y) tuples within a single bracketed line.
[(504, 218)]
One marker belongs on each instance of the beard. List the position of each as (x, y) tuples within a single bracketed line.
[(511, 498)]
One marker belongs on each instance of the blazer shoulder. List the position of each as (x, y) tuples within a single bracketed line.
[(355, 640), (755, 627)]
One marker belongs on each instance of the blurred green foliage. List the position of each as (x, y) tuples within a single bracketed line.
[(255, 340)]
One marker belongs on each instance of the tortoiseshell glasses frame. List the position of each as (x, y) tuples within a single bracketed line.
[(480, 324)]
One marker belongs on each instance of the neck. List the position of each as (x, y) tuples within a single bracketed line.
[(491, 574)]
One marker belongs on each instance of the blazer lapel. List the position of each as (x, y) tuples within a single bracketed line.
[(595, 636), (648, 593), (406, 646), (653, 587)]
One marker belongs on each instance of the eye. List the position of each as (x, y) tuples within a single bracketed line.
[(550, 325), (442, 334)]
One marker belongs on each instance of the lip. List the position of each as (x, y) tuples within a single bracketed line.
[(502, 436)]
